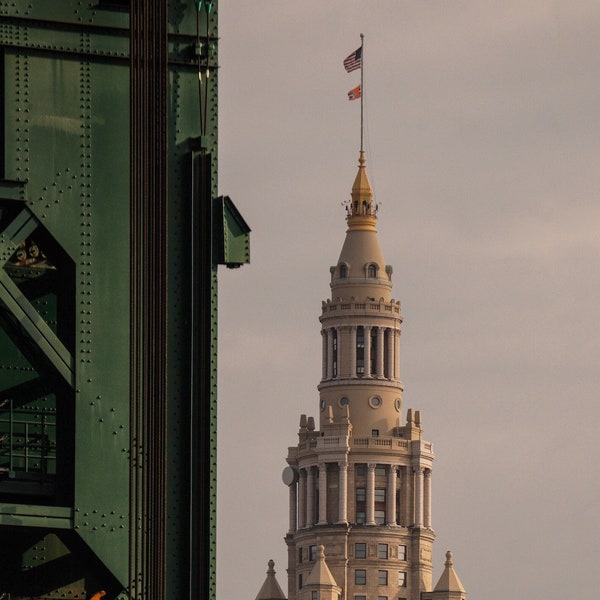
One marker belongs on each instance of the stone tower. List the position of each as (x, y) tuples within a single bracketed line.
[(360, 485)]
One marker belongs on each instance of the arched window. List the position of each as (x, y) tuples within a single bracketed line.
[(343, 271), (372, 270)]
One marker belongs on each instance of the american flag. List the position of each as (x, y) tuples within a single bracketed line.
[(353, 62)]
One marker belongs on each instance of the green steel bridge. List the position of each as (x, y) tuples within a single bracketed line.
[(111, 232)]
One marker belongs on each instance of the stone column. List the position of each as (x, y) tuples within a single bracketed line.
[(418, 496), (322, 494), (302, 499), (370, 495), (310, 497), (427, 499), (343, 493), (380, 361), (390, 516), (293, 506), (390, 353), (353, 351), (324, 336), (367, 337), (329, 353), (396, 354)]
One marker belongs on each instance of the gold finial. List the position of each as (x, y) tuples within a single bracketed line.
[(361, 213)]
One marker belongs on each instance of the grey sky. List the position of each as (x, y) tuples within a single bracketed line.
[(483, 144)]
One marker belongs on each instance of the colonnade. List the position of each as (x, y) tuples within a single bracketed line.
[(415, 496), (387, 351)]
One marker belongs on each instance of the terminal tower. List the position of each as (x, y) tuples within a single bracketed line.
[(360, 525)]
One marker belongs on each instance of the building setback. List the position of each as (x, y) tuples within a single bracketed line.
[(360, 486)]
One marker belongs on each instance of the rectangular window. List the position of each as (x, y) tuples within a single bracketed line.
[(382, 550), (380, 472), (299, 555), (312, 553), (360, 550), (361, 470), (382, 577), (335, 356), (314, 595), (360, 598), (361, 508), (402, 578), (382, 598), (360, 577), (380, 495), (300, 581), (402, 552), (360, 350), (375, 432), (373, 350)]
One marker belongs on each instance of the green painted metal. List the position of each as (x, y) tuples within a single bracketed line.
[(73, 492), (233, 234)]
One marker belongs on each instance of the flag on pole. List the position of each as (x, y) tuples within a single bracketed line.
[(354, 94), (353, 62)]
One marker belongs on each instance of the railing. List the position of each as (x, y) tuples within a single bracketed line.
[(27, 441), (375, 306), (379, 442)]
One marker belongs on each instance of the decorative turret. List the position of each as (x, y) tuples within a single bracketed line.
[(270, 589), (321, 580), (449, 586)]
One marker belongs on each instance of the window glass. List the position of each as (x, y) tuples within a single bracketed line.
[(380, 495), (312, 553), (361, 494), (361, 470), (360, 576), (402, 552), (402, 578), (382, 577), (382, 550), (360, 550)]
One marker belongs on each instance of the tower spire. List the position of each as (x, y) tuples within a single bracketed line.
[(361, 213)]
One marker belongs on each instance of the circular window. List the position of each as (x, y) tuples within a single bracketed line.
[(398, 404), (375, 402), (344, 401)]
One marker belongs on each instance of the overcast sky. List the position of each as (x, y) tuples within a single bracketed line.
[(483, 148)]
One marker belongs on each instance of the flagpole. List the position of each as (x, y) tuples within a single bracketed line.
[(362, 88)]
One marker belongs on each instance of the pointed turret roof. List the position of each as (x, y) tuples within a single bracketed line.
[(270, 589), (449, 581), (320, 574), (361, 271)]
